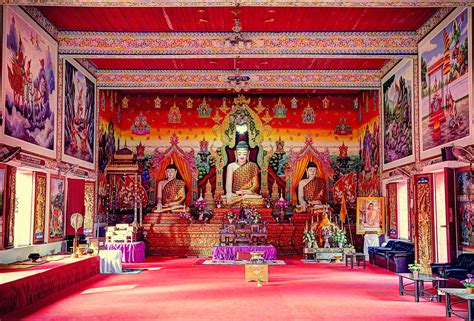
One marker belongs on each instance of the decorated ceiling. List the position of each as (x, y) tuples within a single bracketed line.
[(199, 45)]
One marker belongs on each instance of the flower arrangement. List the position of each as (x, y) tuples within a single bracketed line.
[(415, 267), (230, 216), (469, 284), (308, 237), (252, 214), (340, 237), (281, 203), (184, 215), (200, 204)]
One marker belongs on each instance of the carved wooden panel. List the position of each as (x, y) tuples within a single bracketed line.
[(39, 207), (89, 208), (424, 227), (392, 210), (10, 207)]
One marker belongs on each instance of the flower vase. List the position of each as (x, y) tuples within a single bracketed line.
[(231, 220), (339, 245), (201, 215), (326, 242), (415, 273), (470, 290)]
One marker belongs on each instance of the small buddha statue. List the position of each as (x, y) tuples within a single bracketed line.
[(242, 181), (312, 189), (171, 192)]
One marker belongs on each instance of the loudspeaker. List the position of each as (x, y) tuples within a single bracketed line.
[(447, 154)]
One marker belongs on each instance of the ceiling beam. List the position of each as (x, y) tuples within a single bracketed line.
[(217, 79), (253, 3), (198, 45)]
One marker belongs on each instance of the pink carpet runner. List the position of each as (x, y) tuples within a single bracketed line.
[(177, 289)]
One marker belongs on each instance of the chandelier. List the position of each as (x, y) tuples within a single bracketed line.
[(238, 82), (237, 40)]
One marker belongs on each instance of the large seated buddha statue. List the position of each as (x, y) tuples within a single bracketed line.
[(242, 181), (171, 192), (312, 189)]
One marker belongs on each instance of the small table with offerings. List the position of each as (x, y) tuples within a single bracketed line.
[(418, 280), (463, 297)]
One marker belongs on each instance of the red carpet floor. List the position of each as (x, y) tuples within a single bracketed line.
[(178, 289)]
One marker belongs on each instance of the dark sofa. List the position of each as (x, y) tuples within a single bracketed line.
[(398, 258), (380, 249), (457, 270)]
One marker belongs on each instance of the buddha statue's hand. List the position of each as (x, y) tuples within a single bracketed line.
[(244, 192)]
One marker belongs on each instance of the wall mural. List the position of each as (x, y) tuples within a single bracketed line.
[(464, 195), (369, 145), (275, 127), (444, 57), (56, 215), (397, 115), (79, 115), (29, 84)]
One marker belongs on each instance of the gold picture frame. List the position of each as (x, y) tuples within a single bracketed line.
[(370, 218)]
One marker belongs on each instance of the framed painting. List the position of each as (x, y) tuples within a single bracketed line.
[(29, 84), (445, 80), (370, 215), (56, 204), (79, 115), (397, 116), (3, 175)]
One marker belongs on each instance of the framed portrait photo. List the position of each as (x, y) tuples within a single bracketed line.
[(370, 215)]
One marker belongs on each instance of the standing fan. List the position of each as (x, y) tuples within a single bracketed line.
[(76, 222)]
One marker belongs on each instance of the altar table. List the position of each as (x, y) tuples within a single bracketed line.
[(110, 261), (131, 252), (230, 252)]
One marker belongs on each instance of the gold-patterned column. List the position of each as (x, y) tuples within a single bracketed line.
[(424, 233), (10, 207), (392, 213), (39, 207), (89, 205)]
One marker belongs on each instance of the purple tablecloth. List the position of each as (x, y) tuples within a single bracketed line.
[(230, 252), (131, 252)]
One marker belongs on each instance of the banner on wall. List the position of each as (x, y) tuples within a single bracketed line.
[(56, 215)]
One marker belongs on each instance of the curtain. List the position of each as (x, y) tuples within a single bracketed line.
[(75, 202), (183, 170), (299, 172)]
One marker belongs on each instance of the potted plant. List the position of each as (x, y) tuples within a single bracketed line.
[(308, 238), (415, 269), (469, 284)]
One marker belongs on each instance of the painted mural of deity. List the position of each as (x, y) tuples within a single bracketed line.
[(444, 92), (79, 114), (398, 114), (56, 226), (29, 95)]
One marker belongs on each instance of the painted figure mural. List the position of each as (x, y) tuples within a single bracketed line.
[(29, 93), (398, 114), (79, 114), (444, 83), (56, 225)]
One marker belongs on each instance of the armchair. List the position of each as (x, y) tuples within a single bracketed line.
[(456, 271), (397, 259), (377, 249)]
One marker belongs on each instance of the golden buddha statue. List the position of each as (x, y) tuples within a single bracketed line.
[(312, 189), (242, 182), (171, 192)]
